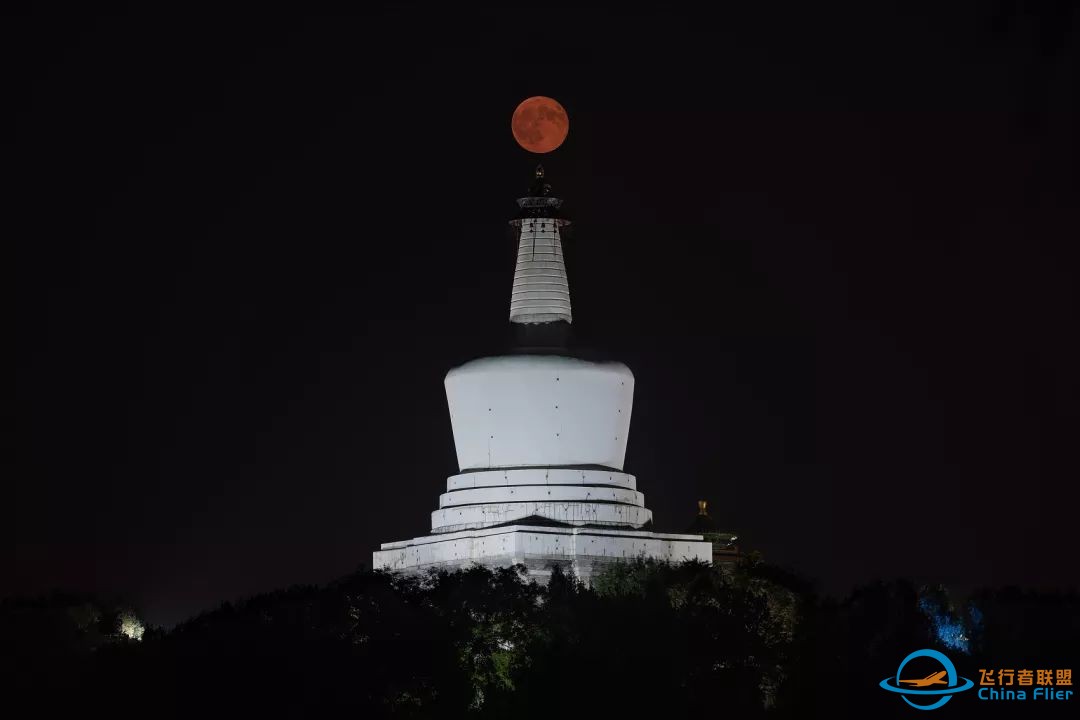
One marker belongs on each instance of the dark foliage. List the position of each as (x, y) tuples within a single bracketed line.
[(648, 639)]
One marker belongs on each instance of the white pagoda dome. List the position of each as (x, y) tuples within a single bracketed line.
[(541, 440)]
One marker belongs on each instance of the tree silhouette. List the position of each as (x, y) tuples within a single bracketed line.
[(648, 638)]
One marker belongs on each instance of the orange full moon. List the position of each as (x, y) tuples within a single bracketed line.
[(540, 124)]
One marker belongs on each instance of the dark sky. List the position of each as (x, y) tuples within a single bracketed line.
[(837, 247)]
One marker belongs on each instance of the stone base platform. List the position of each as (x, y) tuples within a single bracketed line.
[(585, 550)]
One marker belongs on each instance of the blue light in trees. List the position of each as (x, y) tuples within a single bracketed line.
[(949, 629)]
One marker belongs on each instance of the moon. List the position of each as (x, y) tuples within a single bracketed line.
[(540, 124)]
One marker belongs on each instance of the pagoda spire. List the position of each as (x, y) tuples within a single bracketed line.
[(541, 292)]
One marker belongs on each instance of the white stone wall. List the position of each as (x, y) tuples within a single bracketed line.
[(586, 550), (573, 513), (540, 476), (541, 493), (539, 410)]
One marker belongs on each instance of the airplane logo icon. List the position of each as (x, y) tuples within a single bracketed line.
[(937, 678), (941, 685)]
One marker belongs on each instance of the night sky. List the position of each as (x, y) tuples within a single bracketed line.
[(837, 247)]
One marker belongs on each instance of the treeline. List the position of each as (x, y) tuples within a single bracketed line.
[(648, 639)]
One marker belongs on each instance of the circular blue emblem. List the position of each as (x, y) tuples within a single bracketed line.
[(917, 687)]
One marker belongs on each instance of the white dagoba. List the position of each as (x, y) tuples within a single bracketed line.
[(541, 440)]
